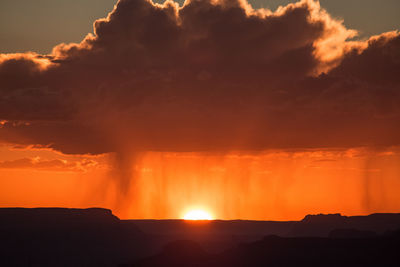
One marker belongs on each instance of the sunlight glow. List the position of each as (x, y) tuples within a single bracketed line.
[(197, 215)]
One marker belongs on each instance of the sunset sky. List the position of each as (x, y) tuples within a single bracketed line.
[(266, 110)]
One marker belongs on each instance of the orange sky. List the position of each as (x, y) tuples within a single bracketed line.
[(246, 112), (269, 185)]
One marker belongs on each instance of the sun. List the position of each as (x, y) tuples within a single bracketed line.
[(197, 215)]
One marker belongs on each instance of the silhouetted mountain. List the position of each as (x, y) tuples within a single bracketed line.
[(177, 253), (351, 233), (215, 235), (321, 225), (95, 237), (294, 252), (66, 237)]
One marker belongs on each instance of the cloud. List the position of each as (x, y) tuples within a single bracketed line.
[(207, 76), (48, 165)]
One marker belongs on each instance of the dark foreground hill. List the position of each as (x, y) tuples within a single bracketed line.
[(95, 237), (67, 237), (278, 251)]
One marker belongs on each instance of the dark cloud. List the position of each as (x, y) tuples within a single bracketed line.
[(209, 76)]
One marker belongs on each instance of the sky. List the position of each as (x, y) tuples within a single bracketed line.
[(39, 25), (245, 110)]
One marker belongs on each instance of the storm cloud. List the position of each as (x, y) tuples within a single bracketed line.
[(207, 76)]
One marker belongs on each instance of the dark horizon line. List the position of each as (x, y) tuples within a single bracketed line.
[(110, 211)]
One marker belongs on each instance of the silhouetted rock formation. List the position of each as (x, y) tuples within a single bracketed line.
[(321, 225), (95, 237), (294, 252), (65, 237), (216, 235), (351, 233), (324, 218), (177, 253)]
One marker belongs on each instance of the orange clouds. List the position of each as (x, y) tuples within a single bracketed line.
[(53, 165), (41, 159)]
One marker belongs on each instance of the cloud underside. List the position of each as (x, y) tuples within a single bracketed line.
[(48, 165), (207, 76)]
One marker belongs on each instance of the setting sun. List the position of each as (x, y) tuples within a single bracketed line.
[(197, 215)]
